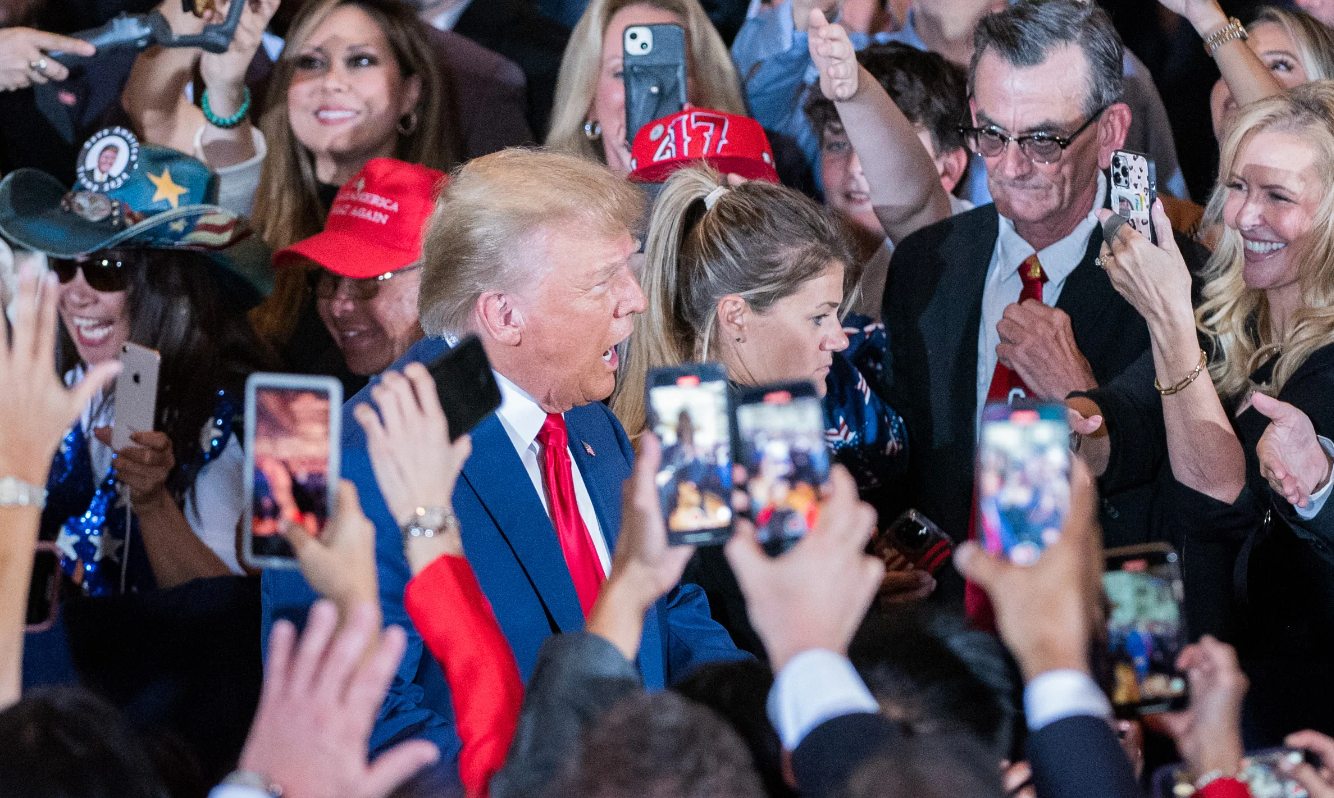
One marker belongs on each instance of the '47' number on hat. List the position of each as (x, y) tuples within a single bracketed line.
[(682, 137)]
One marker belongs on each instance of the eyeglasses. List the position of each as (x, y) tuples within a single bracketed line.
[(1040, 147), (364, 289), (107, 275)]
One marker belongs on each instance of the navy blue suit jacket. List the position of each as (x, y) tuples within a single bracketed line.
[(516, 555)]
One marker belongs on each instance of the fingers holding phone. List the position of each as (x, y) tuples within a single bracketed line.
[(144, 465)]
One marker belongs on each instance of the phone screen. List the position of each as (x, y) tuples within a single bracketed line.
[(689, 415), (1023, 479), (1145, 630), (293, 472), (786, 461)]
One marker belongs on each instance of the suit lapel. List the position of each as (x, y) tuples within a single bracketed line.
[(599, 460), (497, 475), (1088, 296), (950, 324)]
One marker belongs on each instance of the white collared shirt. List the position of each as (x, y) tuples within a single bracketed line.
[(1003, 285), (522, 417)]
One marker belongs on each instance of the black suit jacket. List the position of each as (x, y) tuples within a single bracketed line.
[(932, 311), (1075, 757), (516, 30)]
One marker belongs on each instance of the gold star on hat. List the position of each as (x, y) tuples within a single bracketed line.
[(166, 188)]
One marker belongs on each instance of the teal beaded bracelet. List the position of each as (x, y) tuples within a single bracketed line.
[(227, 122)]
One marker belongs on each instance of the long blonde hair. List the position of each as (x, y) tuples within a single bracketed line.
[(759, 241), (712, 73), (1315, 41), (287, 204), (1235, 317)]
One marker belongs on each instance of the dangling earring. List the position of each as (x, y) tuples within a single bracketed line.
[(407, 123), (592, 130)]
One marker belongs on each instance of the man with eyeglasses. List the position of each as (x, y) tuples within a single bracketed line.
[(1005, 301), (367, 279)]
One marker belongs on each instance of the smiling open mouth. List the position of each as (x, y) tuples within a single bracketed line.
[(1263, 247)]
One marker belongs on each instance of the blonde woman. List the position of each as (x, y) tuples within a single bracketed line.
[(589, 110), (1259, 568)]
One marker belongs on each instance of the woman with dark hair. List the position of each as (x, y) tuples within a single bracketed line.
[(164, 510)]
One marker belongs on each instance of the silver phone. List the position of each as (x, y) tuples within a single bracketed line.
[(136, 394), (293, 450)]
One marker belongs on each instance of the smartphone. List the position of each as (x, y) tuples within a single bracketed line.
[(918, 539), (44, 589), (1146, 629), (466, 386), (654, 73), (1134, 190), (780, 443), (1264, 773), (136, 394), (293, 449), (1023, 478), (688, 411)]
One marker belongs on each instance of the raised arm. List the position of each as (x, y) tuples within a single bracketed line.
[(30, 390), (1246, 75), (1202, 447), (905, 185)]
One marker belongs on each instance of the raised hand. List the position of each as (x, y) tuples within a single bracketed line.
[(24, 60), (1208, 734), (340, 563), (644, 567), (1044, 611), (31, 390), (319, 703), (1291, 457), (816, 594), (414, 462), (1319, 782), (1153, 278), (224, 73), (834, 56)]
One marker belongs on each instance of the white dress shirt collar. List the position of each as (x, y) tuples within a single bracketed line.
[(1059, 259), (520, 414)]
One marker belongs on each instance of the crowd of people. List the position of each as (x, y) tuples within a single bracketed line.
[(903, 205)]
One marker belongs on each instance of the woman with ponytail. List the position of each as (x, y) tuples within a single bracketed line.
[(754, 276)]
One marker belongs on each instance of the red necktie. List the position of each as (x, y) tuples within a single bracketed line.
[(575, 542), (1004, 384)]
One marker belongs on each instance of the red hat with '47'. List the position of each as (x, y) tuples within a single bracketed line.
[(729, 143), (375, 223)]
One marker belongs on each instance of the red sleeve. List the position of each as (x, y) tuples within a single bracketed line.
[(455, 620), (1225, 788)]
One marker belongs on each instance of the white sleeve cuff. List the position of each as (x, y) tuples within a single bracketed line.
[(1060, 694), (236, 791), (1313, 507), (815, 686)]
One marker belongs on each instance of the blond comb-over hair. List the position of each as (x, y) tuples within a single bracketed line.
[(480, 235)]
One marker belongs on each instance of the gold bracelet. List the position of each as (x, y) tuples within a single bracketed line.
[(1232, 30), (1181, 386)]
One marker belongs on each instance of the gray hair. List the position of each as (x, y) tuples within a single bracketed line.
[(1025, 33)]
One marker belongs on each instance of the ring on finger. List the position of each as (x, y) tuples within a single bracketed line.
[(39, 65)]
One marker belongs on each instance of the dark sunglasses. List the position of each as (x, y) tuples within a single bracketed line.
[(102, 274), (364, 289)]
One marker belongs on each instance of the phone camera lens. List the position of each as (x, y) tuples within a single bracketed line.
[(135, 378), (634, 35)]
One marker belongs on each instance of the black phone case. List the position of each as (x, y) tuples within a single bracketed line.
[(655, 82), (466, 386)]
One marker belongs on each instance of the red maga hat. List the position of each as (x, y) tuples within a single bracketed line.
[(375, 223), (729, 143)]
